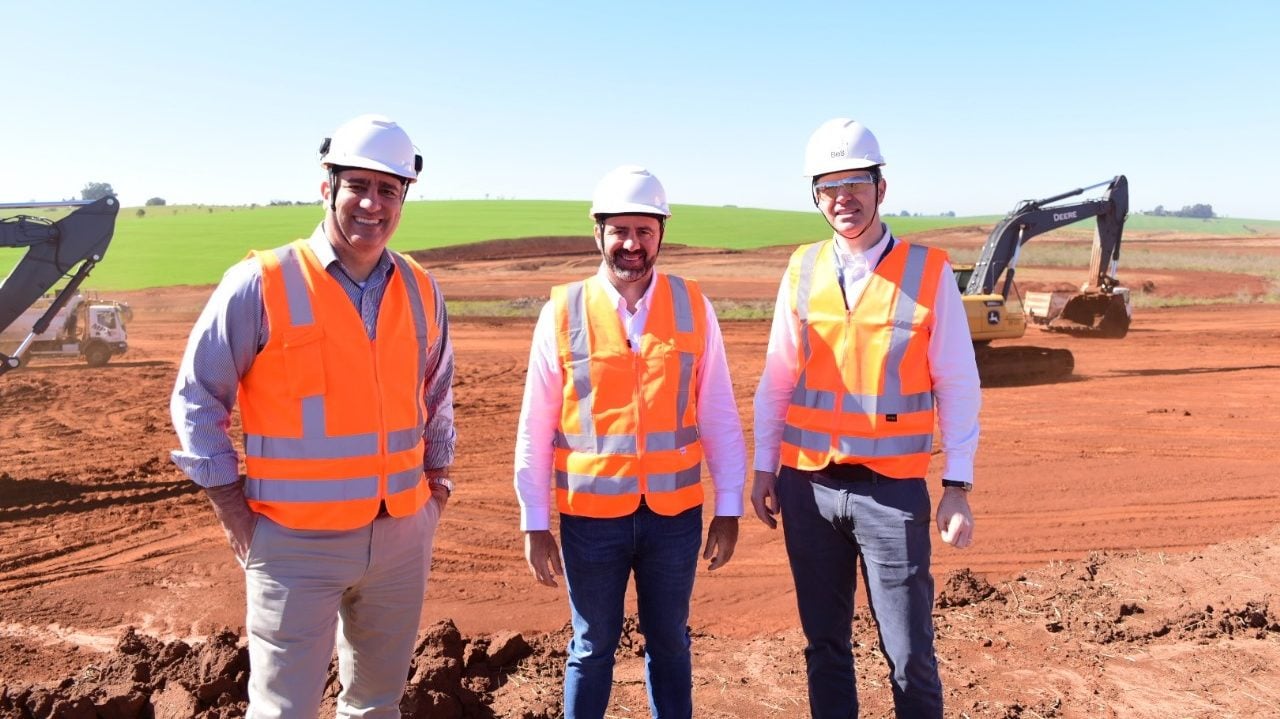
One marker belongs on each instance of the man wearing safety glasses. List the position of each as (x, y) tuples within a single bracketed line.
[(869, 347)]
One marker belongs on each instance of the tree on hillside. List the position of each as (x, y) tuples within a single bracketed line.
[(96, 191), (1198, 210), (155, 202)]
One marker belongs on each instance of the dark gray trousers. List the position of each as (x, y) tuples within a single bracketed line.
[(830, 519)]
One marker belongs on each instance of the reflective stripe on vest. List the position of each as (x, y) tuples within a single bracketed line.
[(891, 430), (614, 468), (328, 490), (306, 469)]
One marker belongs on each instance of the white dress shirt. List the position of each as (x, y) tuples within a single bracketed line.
[(951, 365), (717, 413)]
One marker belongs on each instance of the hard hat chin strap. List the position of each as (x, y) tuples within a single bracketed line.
[(333, 187)]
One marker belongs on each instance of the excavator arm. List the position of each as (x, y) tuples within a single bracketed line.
[(1035, 217), (71, 246)]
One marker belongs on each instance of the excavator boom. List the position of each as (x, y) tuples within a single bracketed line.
[(1036, 217), (70, 246)]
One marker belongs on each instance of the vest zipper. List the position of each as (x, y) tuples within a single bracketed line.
[(838, 400), (382, 428), (642, 475)]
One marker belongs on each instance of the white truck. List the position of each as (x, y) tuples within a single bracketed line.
[(90, 328), (64, 323)]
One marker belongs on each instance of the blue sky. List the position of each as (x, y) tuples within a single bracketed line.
[(977, 105)]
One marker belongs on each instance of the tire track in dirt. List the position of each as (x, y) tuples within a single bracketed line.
[(91, 500), (121, 548)]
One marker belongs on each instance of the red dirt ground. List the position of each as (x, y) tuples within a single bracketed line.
[(1127, 560)]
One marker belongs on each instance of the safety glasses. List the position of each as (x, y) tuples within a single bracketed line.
[(852, 185)]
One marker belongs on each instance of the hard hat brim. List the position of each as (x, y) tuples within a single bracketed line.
[(629, 209), (842, 166), (365, 163)]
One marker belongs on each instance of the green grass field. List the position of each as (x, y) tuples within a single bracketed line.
[(195, 244)]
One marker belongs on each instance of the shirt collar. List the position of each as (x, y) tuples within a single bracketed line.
[(319, 244), (868, 258), (603, 275)]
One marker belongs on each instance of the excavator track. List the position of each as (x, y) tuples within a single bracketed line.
[(1018, 365)]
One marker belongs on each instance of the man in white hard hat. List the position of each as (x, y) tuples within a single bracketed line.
[(339, 352), (869, 347), (627, 390)]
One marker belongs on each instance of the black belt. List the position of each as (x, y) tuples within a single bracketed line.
[(850, 472)]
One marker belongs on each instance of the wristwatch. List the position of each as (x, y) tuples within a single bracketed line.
[(966, 486), (442, 482)]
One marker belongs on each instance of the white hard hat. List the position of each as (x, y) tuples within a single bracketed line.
[(841, 144), (629, 189), (372, 142)]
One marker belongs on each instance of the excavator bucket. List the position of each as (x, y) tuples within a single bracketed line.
[(1083, 314), (1096, 314)]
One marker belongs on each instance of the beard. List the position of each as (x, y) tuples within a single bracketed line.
[(630, 266)]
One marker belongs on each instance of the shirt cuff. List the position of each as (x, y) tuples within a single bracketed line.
[(766, 463), (535, 519), (729, 504), (439, 452), (958, 468), (208, 471)]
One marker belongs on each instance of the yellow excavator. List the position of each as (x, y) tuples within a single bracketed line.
[(1101, 308)]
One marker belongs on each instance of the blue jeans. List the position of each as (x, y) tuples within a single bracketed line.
[(599, 557), (829, 522)]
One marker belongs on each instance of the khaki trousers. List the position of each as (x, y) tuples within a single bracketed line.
[(361, 589)]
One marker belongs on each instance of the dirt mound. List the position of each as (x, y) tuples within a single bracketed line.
[(451, 677), (1098, 623), (520, 248), (962, 588), (508, 249), (963, 236), (145, 677)]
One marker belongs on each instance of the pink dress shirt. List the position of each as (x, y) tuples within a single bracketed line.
[(718, 422)]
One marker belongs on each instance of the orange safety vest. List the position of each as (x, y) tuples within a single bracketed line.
[(628, 423), (864, 394), (333, 421)]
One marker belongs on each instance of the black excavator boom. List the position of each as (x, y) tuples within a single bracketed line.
[(69, 247)]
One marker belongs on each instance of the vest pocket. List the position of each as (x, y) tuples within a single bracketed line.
[(304, 360)]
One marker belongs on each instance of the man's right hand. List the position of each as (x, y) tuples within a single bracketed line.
[(764, 497), (232, 510), (543, 556)]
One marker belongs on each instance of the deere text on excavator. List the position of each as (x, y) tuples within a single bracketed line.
[(64, 322), (1101, 308)]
